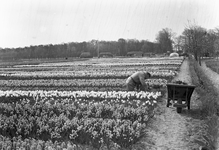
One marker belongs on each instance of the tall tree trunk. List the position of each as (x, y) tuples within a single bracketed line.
[(196, 55), (199, 60)]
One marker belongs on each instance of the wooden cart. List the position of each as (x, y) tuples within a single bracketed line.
[(180, 95)]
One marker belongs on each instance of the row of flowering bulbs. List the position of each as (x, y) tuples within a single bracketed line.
[(76, 83), (112, 62), (83, 74), (83, 94)]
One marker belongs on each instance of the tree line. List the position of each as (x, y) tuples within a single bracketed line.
[(194, 39), (74, 49)]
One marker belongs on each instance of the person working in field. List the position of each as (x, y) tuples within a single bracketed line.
[(137, 80)]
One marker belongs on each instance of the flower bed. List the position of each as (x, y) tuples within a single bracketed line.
[(90, 118), (82, 104)]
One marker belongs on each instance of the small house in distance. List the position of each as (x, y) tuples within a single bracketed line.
[(149, 54), (86, 55), (135, 54), (105, 54), (174, 55)]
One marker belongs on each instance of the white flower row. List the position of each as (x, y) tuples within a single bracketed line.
[(82, 94)]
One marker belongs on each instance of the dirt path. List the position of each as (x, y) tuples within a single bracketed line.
[(173, 131)]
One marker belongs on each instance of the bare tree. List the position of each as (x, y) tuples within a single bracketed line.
[(179, 43), (165, 40), (195, 40), (216, 41)]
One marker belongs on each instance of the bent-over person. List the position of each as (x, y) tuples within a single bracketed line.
[(137, 80)]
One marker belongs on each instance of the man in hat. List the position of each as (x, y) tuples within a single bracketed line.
[(137, 80)]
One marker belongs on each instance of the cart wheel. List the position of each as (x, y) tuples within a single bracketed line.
[(179, 109)]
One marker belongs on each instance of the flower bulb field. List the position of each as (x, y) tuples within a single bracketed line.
[(80, 103)]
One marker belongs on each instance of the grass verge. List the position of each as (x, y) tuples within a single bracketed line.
[(209, 107)]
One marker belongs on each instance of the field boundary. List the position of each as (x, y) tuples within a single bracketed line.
[(209, 107)]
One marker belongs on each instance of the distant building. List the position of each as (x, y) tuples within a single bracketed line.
[(149, 54), (135, 54), (174, 55), (86, 55), (105, 54)]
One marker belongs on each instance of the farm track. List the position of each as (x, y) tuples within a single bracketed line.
[(170, 130)]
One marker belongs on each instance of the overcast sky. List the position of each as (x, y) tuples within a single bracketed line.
[(35, 22)]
